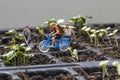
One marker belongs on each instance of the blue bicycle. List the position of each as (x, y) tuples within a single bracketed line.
[(61, 43)]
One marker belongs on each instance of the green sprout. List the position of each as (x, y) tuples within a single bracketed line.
[(87, 30), (19, 37), (8, 56), (40, 30), (74, 53), (103, 64), (16, 36), (79, 22), (117, 64), (17, 53), (106, 33), (114, 34), (11, 32), (96, 34), (59, 21), (50, 21)]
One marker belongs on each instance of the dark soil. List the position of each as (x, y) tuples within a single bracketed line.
[(46, 76), (40, 59), (5, 77), (83, 56), (3, 50), (85, 41), (36, 38), (113, 53), (96, 73)]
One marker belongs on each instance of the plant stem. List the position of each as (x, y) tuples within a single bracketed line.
[(95, 41), (109, 39), (14, 60), (79, 30), (104, 72), (116, 42), (24, 61), (21, 60), (90, 37), (18, 61)]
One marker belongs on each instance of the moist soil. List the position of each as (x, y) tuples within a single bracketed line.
[(113, 53), (40, 59), (97, 73), (5, 77), (46, 76), (83, 56), (85, 41)]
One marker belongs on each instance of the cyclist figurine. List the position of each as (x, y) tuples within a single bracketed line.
[(68, 31), (27, 35), (57, 33)]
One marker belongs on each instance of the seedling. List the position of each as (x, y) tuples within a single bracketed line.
[(96, 34), (11, 32), (87, 30), (17, 53), (74, 53), (106, 33), (59, 21), (40, 30), (103, 64), (79, 22), (114, 34), (16, 36), (117, 64)]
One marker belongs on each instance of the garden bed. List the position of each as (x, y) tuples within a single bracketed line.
[(83, 56), (113, 53), (66, 71), (35, 59), (40, 59), (96, 73), (5, 76), (47, 75), (85, 66)]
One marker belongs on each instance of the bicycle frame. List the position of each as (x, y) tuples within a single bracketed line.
[(61, 43)]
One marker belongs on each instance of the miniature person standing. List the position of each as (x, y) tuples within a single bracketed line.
[(68, 31), (27, 35)]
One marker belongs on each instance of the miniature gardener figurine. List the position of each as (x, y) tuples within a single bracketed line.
[(27, 35)]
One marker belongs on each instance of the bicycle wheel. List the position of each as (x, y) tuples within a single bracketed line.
[(63, 45), (43, 47)]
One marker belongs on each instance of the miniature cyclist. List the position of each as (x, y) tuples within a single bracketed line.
[(57, 33), (27, 35)]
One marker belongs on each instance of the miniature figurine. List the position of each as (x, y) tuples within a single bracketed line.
[(57, 33), (27, 35)]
